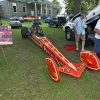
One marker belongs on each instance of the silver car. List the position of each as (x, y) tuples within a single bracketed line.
[(21, 19), (14, 22)]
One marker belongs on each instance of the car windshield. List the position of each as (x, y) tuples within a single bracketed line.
[(62, 18), (54, 18), (14, 19)]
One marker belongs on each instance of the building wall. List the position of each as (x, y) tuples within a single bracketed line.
[(7, 9), (19, 6)]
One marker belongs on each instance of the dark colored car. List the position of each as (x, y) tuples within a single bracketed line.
[(0, 23), (58, 21)]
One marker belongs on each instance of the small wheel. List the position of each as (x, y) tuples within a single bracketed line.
[(69, 34), (24, 32), (92, 60), (52, 69)]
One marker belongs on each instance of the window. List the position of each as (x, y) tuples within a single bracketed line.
[(44, 11), (24, 8), (32, 8), (38, 8), (14, 7), (49, 11)]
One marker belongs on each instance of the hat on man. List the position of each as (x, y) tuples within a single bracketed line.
[(84, 12)]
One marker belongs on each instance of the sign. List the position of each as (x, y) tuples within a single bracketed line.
[(5, 35)]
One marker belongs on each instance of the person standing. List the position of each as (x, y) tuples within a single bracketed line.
[(96, 48), (79, 29)]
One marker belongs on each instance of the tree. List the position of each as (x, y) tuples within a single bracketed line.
[(57, 4), (73, 6), (77, 6), (88, 4), (97, 1), (69, 7)]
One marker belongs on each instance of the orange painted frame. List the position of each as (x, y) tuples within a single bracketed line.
[(57, 62)]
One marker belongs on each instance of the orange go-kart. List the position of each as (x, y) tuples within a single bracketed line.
[(56, 62)]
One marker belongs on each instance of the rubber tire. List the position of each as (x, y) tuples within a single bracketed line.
[(24, 31), (72, 34), (54, 25), (88, 42), (52, 69), (49, 24)]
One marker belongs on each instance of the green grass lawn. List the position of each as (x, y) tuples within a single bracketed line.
[(26, 78)]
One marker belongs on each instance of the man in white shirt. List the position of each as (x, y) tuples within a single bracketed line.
[(96, 48)]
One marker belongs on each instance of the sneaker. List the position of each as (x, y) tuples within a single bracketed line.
[(82, 49), (77, 49)]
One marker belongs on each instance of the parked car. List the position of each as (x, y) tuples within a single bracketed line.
[(47, 20), (14, 22), (58, 21), (21, 19), (92, 18), (0, 22)]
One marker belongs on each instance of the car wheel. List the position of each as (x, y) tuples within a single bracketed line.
[(89, 38), (49, 24), (55, 25), (88, 42), (69, 34), (20, 26), (24, 32)]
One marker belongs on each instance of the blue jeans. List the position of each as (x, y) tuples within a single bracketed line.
[(96, 48)]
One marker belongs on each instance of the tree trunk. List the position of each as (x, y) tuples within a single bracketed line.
[(77, 6)]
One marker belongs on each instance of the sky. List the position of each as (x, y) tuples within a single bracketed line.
[(62, 4)]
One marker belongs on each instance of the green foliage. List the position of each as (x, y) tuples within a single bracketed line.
[(69, 6), (88, 4), (57, 4), (85, 5)]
